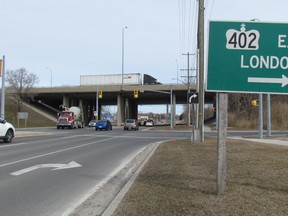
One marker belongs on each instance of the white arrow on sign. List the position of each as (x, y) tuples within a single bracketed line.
[(283, 80), (192, 97), (72, 164)]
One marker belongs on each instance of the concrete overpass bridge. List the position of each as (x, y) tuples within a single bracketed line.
[(121, 96)]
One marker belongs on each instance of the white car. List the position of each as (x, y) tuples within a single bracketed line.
[(92, 123), (149, 123), (7, 131)]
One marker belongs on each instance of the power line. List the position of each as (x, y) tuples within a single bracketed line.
[(188, 19)]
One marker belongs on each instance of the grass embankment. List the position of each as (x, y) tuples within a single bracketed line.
[(180, 179), (34, 118)]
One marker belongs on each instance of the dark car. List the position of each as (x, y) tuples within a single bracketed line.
[(131, 124), (103, 124)]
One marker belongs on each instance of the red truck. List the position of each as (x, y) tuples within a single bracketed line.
[(70, 117)]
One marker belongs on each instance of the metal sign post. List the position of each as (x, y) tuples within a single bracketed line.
[(222, 142), (193, 99), (22, 115)]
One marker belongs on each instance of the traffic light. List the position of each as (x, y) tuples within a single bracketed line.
[(100, 94), (136, 93), (254, 102)]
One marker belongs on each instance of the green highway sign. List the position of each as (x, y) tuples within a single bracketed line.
[(248, 57)]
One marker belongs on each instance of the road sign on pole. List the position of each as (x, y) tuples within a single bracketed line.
[(193, 98), (248, 57)]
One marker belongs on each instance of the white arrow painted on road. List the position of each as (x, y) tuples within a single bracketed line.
[(70, 165), (283, 80)]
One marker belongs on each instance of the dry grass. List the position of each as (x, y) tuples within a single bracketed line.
[(242, 121), (34, 118), (180, 179), (279, 116)]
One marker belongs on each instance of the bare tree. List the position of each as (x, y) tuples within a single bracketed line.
[(22, 82), (241, 103), (106, 109)]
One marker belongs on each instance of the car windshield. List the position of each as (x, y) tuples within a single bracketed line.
[(101, 121), (130, 121)]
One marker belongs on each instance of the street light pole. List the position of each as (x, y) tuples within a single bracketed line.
[(123, 55), (177, 70), (50, 75)]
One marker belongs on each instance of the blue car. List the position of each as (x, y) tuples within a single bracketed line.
[(103, 124)]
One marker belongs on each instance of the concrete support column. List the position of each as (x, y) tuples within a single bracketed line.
[(91, 110), (133, 109), (66, 101), (174, 108), (127, 109), (120, 109), (74, 102), (81, 103)]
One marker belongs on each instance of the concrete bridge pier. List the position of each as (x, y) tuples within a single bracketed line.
[(131, 108), (126, 108), (120, 109), (174, 109), (66, 100), (134, 109)]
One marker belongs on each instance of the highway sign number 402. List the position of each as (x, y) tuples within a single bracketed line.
[(248, 57), (244, 40)]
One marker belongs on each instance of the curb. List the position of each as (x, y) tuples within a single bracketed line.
[(114, 204), (104, 198)]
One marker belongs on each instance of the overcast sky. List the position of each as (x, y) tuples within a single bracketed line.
[(69, 38)]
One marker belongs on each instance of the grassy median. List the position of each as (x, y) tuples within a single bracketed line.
[(180, 179)]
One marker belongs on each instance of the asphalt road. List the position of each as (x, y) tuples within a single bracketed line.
[(35, 177)]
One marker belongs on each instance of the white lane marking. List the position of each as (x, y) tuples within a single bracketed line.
[(11, 145), (87, 144), (70, 165), (54, 152)]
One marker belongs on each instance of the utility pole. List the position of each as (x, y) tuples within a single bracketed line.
[(188, 89), (123, 40), (3, 89), (201, 68)]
